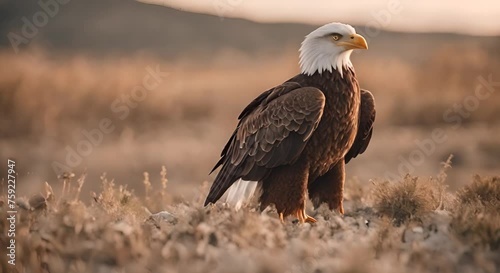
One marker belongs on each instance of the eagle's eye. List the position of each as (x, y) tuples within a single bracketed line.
[(336, 36)]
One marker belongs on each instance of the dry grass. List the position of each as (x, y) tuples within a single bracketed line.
[(412, 198), (483, 190), (407, 200), (477, 213), (117, 233)]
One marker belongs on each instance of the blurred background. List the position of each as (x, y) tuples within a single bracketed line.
[(124, 87)]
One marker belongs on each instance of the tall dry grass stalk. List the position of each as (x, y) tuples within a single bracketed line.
[(164, 180), (147, 186), (80, 182)]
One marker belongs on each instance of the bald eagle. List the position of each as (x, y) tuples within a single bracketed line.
[(294, 140)]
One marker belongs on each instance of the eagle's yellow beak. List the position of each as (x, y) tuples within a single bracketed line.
[(354, 41)]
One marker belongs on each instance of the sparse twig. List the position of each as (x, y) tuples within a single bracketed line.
[(164, 181), (49, 193), (441, 179), (147, 186), (445, 166), (80, 181), (66, 178)]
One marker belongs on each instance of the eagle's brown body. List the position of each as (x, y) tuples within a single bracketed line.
[(296, 138), (327, 146), (338, 126)]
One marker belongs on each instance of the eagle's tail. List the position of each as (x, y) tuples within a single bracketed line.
[(241, 193), (222, 182)]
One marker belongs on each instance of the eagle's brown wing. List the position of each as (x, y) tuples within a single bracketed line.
[(365, 127), (273, 131)]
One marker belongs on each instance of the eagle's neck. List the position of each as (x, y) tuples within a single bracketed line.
[(315, 59), (332, 83)]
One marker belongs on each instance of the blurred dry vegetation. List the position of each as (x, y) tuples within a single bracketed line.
[(67, 80), (424, 229), (432, 220)]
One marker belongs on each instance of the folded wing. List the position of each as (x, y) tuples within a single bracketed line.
[(365, 127), (273, 131)]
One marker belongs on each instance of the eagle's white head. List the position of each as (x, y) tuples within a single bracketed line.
[(329, 47)]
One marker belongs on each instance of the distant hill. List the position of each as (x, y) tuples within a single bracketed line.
[(126, 26)]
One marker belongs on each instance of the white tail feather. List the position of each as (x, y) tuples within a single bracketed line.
[(241, 193)]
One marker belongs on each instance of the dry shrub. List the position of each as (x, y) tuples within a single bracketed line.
[(406, 200), (155, 199), (477, 214), (118, 202), (477, 225), (412, 198), (485, 190)]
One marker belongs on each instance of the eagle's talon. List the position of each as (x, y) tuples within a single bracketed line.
[(281, 218), (302, 217), (310, 219), (307, 218)]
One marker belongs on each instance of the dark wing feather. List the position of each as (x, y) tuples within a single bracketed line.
[(273, 130), (262, 100), (365, 127)]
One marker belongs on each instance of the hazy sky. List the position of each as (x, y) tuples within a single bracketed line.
[(481, 17)]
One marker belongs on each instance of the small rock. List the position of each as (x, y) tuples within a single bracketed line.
[(22, 203), (414, 234), (66, 175), (123, 227), (163, 216), (37, 201), (418, 230)]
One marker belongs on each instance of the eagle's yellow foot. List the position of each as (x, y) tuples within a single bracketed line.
[(309, 219), (281, 218), (304, 218), (301, 216)]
